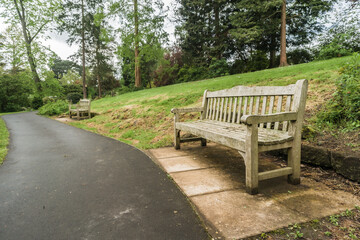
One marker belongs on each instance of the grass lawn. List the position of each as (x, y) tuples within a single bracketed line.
[(143, 118), (4, 139)]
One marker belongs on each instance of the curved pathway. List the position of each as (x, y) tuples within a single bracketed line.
[(60, 182)]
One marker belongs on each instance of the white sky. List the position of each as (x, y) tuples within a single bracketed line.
[(57, 43)]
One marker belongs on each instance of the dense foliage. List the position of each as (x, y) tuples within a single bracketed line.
[(54, 108), (14, 91), (344, 107)]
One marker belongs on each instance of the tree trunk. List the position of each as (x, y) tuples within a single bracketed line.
[(98, 65), (83, 49), (137, 62), (283, 59), (217, 30), (28, 40)]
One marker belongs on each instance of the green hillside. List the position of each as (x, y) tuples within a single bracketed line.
[(143, 118)]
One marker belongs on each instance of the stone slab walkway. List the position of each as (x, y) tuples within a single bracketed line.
[(213, 178)]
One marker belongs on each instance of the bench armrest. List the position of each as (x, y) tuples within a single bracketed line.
[(187, 110), (276, 117)]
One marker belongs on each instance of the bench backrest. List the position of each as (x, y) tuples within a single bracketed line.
[(84, 104), (229, 105)]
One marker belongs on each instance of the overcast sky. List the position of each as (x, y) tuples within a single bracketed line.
[(57, 43)]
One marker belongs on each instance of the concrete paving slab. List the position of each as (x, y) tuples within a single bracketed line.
[(166, 153), (180, 164), (236, 214), (213, 178), (206, 181)]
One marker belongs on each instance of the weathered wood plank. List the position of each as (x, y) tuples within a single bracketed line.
[(271, 106), (257, 105), (251, 159), (187, 110), (214, 110), (242, 91), (263, 109), (287, 109), (234, 111), (256, 119), (229, 111), (217, 109), (251, 105), (245, 106), (278, 110), (275, 173), (221, 109), (225, 108), (239, 110), (208, 116)]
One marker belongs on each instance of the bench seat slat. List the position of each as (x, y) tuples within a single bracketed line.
[(230, 132)]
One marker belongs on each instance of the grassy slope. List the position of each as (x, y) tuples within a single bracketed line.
[(4, 139), (143, 118)]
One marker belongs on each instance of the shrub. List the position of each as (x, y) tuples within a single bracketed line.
[(51, 86), (336, 48), (345, 105), (74, 97), (14, 92), (72, 88), (54, 108), (36, 101), (299, 55), (218, 67), (192, 73)]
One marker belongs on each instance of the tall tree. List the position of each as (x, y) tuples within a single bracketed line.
[(283, 59), (142, 33), (203, 30), (33, 16), (259, 23), (83, 48), (13, 48), (72, 11), (137, 62)]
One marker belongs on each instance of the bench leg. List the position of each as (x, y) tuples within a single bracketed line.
[(177, 139), (203, 142), (78, 115), (294, 159), (252, 160)]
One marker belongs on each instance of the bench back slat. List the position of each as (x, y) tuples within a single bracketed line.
[(230, 105), (242, 91)]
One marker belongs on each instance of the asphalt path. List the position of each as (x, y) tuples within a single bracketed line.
[(60, 182)]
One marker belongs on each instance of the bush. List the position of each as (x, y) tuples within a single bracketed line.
[(74, 97), (345, 105), (36, 101), (218, 68), (299, 55), (336, 48), (14, 92), (51, 86), (191, 73), (72, 88), (54, 108)]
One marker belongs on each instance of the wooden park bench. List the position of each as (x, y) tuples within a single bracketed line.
[(251, 120), (81, 109)]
